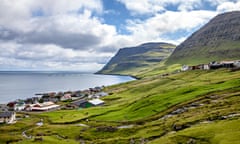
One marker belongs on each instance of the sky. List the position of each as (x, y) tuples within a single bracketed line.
[(82, 35)]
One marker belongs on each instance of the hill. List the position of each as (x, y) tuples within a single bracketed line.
[(132, 60), (219, 39), (187, 107)]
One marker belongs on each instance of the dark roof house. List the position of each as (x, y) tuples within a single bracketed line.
[(7, 117), (3, 107), (82, 103)]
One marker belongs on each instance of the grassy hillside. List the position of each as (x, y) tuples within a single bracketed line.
[(218, 40), (134, 60), (188, 107), (225, 50)]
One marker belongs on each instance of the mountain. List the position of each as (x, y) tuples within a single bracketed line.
[(135, 59), (219, 39)]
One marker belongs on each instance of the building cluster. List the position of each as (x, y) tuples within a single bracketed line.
[(233, 65), (50, 101)]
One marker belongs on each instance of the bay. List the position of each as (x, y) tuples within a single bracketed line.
[(25, 84)]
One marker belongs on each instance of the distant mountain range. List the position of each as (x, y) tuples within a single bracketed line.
[(134, 59), (219, 39)]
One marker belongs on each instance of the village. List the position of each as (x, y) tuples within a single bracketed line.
[(82, 99), (232, 65), (52, 101)]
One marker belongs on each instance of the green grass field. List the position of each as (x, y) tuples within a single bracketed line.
[(143, 105)]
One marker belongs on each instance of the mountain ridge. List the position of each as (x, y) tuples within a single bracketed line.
[(137, 58), (217, 40)]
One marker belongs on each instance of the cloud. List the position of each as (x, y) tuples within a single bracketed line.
[(156, 6), (82, 31), (48, 57), (81, 41), (17, 14), (228, 6), (6, 34), (57, 34), (73, 35), (142, 7), (168, 23)]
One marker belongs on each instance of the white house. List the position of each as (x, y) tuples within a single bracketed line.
[(100, 94), (96, 102), (42, 106), (206, 67), (237, 63), (185, 68), (19, 106)]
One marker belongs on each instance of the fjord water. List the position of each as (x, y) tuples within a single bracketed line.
[(20, 85)]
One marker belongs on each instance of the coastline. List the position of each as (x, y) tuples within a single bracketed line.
[(26, 84), (135, 77)]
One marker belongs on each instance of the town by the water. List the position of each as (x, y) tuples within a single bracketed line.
[(44, 102), (52, 101)]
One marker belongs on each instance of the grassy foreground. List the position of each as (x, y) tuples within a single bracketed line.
[(187, 107)]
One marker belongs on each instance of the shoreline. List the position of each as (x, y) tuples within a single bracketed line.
[(38, 92), (135, 77)]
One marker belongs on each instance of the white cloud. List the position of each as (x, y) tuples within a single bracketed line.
[(228, 6), (142, 6), (155, 6), (57, 34), (73, 35), (166, 23), (17, 14), (48, 57)]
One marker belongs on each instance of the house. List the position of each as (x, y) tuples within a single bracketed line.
[(52, 98), (96, 102), (19, 106), (96, 89), (11, 106), (86, 92), (206, 67), (100, 94), (215, 65), (46, 106), (237, 64), (81, 104), (86, 104), (79, 94), (227, 64), (185, 68), (7, 117), (3, 107), (195, 67), (32, 100), (66, 97)]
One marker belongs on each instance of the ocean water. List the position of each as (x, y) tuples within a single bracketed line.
[(21, 85)]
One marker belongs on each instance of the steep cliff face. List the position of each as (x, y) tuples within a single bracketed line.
[(219, 39), (133, 59)]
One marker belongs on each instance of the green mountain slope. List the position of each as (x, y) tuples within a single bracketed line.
[(217, 40), (188, 107), (132, 60)]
